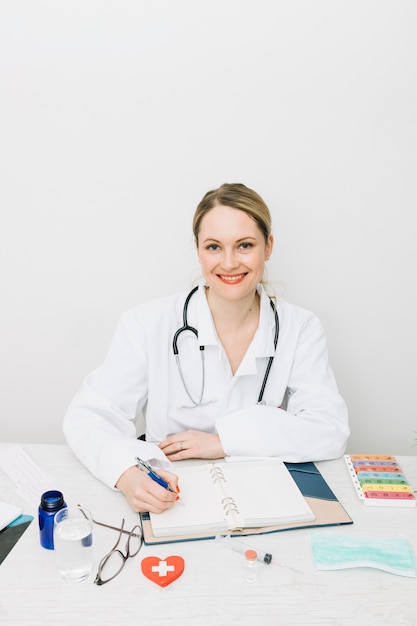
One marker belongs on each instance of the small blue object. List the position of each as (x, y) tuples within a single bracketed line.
[(51, 502)]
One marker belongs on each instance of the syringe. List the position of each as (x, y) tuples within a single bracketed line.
[(226, 541)]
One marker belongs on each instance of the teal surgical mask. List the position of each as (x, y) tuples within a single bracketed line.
[(392, 554)]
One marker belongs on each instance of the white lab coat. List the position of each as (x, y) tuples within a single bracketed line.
[(303, 419)]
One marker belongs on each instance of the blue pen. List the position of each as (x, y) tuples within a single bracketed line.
[(152, 474)]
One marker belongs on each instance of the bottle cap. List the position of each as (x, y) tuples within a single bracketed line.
[(52, 500), (251, 555)]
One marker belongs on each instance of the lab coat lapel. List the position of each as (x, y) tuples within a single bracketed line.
[(207, 335), (262, 345)]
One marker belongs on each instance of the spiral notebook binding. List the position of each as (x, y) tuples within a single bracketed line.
[(217, 474), (232, 513), (228, 503)]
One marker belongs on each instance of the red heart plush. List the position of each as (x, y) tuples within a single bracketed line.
[(162, 571)]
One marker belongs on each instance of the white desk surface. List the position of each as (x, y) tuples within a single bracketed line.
[(211, 590)]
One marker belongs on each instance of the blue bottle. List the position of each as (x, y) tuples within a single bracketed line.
[(51, 502)]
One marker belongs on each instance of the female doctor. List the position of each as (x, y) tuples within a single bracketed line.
[(222, 371)]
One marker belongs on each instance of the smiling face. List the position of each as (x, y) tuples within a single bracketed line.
[(232, 252)]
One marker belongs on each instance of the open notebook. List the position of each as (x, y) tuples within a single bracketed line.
[(233, 496)]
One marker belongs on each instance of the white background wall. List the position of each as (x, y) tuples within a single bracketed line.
[(117, 116)]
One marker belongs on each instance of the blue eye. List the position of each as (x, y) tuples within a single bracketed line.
[(213, 246), (246, 245)]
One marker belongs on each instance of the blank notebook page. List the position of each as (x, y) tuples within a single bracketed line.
[(260, 493)]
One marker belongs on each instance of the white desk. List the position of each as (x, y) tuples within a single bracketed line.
[(211, 590)]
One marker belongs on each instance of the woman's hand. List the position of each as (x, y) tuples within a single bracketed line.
[(144, 494), (192, 444)]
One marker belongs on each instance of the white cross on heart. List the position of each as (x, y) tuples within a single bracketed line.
[(162, 571), (163, 568)]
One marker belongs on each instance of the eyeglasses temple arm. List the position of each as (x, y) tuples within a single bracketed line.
[(126, 532)]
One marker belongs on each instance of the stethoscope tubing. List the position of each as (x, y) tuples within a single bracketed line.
[(186, 327)]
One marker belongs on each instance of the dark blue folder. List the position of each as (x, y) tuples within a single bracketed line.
[(310, 482)]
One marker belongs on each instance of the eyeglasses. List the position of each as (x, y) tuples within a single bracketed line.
[(112, 564)]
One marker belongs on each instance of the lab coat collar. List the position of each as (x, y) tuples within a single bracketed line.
[(207, 335), (264, 337), (263, 341)]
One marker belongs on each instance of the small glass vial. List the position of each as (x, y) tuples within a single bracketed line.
[(51, 502), (250, 566)]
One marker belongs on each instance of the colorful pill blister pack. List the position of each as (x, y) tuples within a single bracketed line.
[(379, 480)]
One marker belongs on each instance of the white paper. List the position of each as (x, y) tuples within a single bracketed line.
[(30, 480), (8, 513)]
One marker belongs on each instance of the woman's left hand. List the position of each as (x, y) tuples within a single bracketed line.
[(192, 444)]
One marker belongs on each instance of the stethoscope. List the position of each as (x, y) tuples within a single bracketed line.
[(187, 327)]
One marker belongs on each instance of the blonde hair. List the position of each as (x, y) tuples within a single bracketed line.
[(236, 196)]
